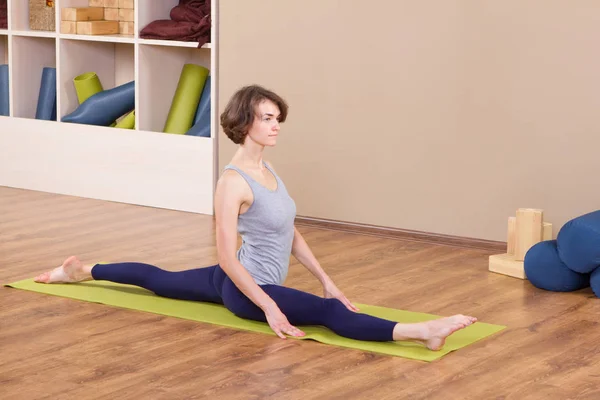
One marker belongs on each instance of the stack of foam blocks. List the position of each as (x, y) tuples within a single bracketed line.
[(101, 17), (526, 229)]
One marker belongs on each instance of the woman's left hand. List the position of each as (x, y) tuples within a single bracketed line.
[(331, 291)]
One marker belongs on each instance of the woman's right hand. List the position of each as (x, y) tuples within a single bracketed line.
[(279, 323)]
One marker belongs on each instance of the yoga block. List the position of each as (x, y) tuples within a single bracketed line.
[(528, 228), (82, 14), (126, 28), (506, 264), (578, 242), (126, 15), (68, 27), (111, 3), (96, 3), (42, 15), (511, 235), (545, 270), (111, 14), (126, 4), (547, 231), (97, 27)]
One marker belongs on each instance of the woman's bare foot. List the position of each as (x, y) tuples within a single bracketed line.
[(72, 270), (433, 334)]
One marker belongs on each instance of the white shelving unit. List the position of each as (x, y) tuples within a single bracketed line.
[(144, 165)]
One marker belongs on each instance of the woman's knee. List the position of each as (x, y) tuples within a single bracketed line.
[(333, 307)]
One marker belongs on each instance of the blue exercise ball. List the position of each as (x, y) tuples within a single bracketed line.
[(545, 270)]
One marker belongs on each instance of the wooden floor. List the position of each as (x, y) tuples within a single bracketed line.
[(55, 348)]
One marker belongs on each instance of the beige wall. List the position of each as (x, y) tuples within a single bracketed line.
[(438, 116)]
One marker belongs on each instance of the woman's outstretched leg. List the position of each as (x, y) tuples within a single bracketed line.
[(192, 284), (301, 308)]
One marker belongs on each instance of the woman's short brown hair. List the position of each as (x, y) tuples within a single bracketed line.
[(240, 111)]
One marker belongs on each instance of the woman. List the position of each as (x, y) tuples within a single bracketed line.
[(252, 200)]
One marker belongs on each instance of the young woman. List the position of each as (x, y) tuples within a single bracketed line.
[(252, 200)]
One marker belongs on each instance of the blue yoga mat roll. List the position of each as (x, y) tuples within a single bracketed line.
[(46, 106), (103, 108), (201, 126), (4, 93)]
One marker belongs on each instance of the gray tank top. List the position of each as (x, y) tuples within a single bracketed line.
[(267, 231)]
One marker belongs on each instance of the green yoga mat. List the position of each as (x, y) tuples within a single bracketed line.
[(86, 85), (185, 101), (136, 298)]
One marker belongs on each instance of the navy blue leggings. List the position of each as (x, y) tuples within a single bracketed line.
[(211, 284)]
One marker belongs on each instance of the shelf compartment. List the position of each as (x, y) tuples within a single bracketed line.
[(112, 14), (159, 74), (31, 55), (113, 64), (33, 15), (3, 49), (149, 11), (4, 78)]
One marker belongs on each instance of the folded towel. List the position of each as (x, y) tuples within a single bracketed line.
[(3, 15), (190, 22)]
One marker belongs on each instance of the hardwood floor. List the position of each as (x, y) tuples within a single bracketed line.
[(55, 348)]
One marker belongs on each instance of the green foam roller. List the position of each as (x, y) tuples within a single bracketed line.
[(128, 122), (87, 85), (185, 101)]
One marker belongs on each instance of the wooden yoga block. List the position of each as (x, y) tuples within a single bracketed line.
[(96, 3), (126, 28), (505, 264), (547, 233), (111, 14), (82, 14), (126, 4), (68, 27), (111, 3), (528, 228), (126, 15), (511, 237), (97, 27)]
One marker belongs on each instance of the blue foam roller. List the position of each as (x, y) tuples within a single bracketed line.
[(4, 93), (104, 108), (201, 125), (579, 242), (545, 270), (46, 106)]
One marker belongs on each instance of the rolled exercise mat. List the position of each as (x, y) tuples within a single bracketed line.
[(4, 93), (137, 298), (201, 125), (105, 107), (46, 106), (186, 99), (86, 85), (128, 122)]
